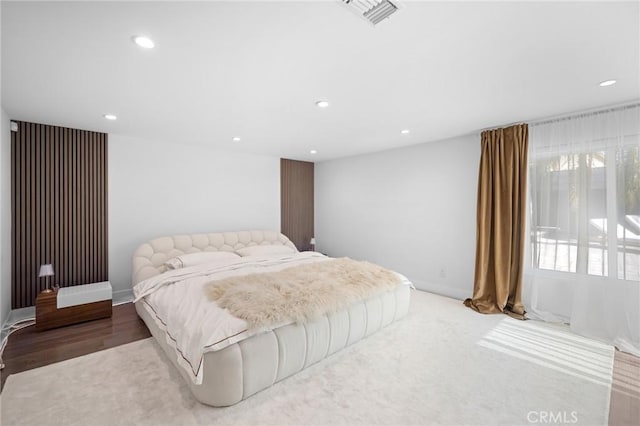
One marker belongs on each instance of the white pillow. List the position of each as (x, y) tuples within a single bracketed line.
[(192, 259), (265, 250)]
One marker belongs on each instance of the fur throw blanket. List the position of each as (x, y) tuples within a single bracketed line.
[(300, 293)]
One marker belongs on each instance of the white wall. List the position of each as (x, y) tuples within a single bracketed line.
[(158, 189), (5, 211), (5, 217), (410, 209)]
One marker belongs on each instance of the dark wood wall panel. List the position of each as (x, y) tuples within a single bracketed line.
[(296, 202), (59, 208)]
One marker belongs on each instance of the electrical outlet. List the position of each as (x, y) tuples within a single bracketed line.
[(443, 273)]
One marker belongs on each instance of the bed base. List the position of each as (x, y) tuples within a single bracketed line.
[(254, 364)]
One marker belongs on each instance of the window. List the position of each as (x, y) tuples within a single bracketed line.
[(585, 210), (628, 212), (570, 219)]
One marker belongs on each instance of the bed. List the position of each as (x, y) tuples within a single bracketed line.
[(226, 362)]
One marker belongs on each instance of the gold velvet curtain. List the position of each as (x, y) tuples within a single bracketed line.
[(502, 187)]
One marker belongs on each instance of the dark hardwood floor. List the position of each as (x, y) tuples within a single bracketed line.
[(29, 349)]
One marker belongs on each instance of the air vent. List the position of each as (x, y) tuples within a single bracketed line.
[(374, 11)]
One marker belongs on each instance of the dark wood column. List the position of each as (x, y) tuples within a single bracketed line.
[(59, 208), (296, 198)]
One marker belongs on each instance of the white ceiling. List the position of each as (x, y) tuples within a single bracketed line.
[(255, 69)]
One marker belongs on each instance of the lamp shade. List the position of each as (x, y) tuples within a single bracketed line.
[(46, 270)]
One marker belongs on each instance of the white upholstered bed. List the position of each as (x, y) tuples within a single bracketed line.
[(226, 371)]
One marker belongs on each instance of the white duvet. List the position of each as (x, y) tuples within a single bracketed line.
[(194, 324)]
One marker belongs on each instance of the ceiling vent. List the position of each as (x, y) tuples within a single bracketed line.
[(374, 11)]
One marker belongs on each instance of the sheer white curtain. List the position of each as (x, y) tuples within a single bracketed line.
[(583, 260)]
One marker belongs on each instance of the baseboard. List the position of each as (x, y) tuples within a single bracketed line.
[(443, 290), (122, 296), (3, 323), (3, 332), (21, 314)]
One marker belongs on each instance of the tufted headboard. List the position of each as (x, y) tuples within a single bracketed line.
[(149, 258)]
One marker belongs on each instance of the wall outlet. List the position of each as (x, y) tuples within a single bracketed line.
[(443, 273)]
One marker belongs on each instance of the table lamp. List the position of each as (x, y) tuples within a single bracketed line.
[(46, 271)]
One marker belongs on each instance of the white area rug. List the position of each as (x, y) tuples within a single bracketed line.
[(442, 364)]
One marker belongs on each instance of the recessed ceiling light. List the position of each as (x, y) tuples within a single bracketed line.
[(607, 83), (235, 139), (313, 151), (110, 117), (322, 104), (405, 132), (143, 41)]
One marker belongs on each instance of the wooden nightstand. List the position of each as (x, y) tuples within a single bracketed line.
[(48, 315)]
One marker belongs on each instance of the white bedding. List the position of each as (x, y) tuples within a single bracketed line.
[(194, 324)]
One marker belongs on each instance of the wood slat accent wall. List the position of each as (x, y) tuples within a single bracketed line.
[(59, 208), (296, 202)]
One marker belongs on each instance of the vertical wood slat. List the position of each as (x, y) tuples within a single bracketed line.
[(105, 199), (296, 202), (59, 208), (36, 194)]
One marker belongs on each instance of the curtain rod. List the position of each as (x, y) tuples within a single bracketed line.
[(572, 115), (588, 113)]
